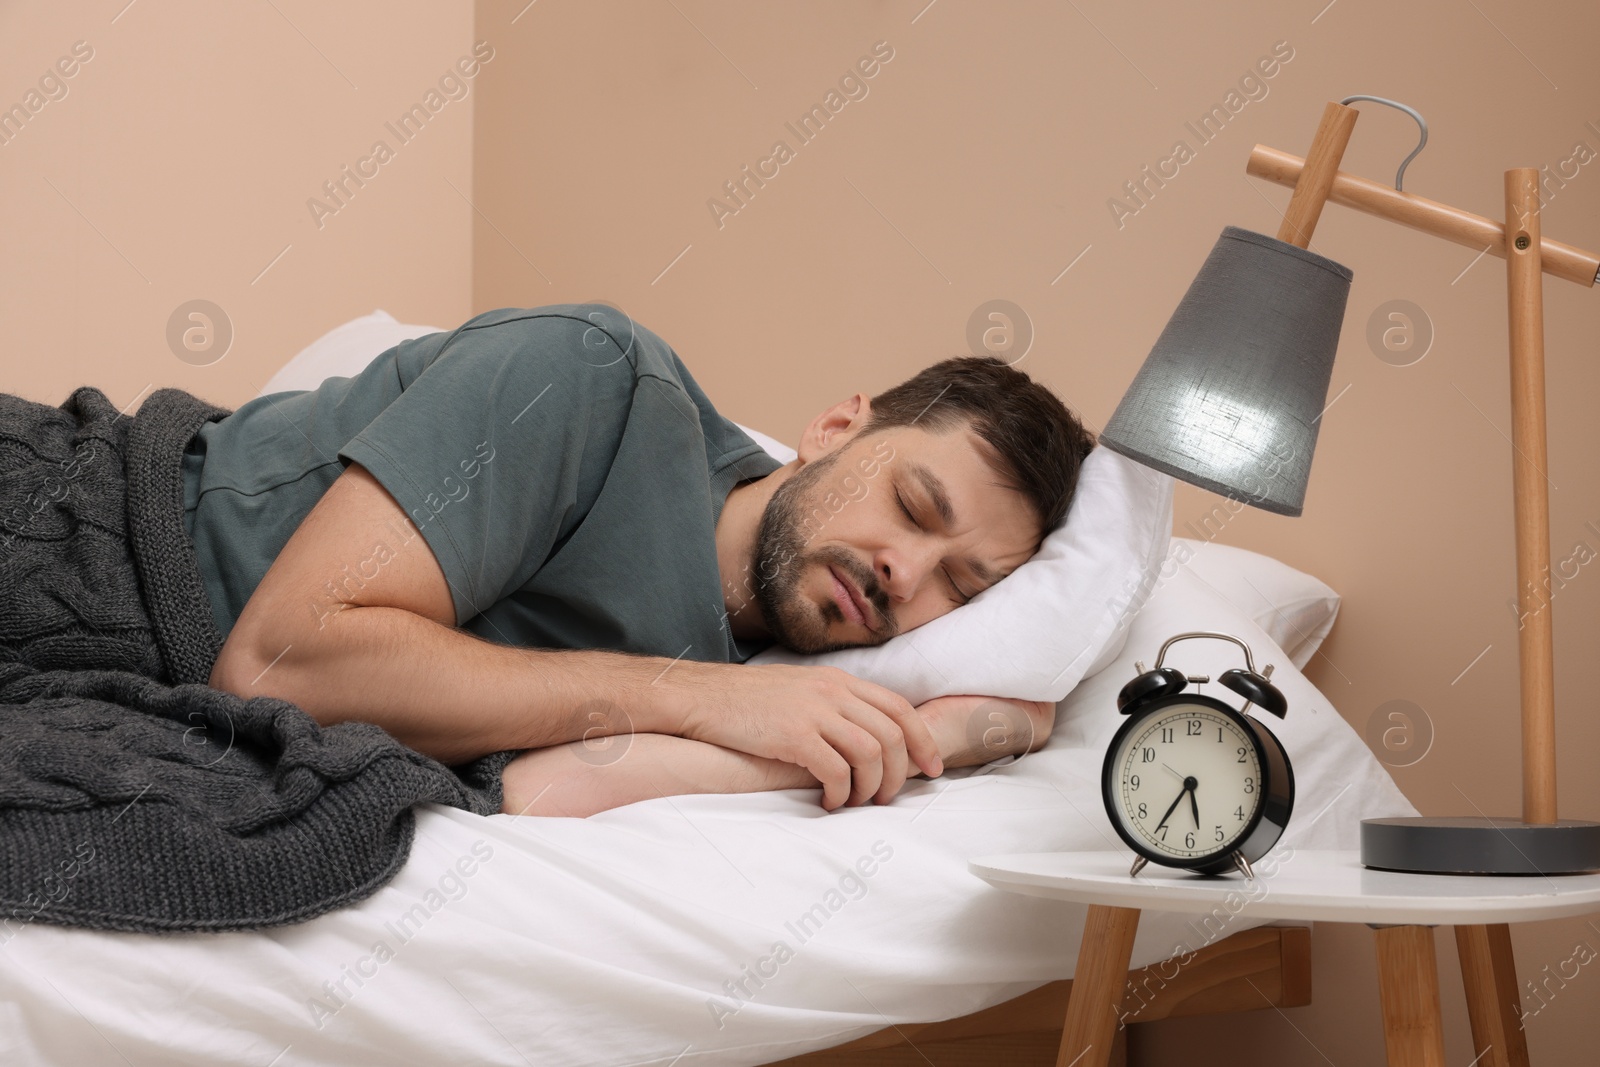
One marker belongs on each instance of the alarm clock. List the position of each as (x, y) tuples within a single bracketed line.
[(1188, 781)]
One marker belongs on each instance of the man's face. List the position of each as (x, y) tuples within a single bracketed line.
[(837, 525)]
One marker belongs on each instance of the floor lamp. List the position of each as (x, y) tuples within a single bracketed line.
[(1230, 400)]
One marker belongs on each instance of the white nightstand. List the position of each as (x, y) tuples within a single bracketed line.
[(1321, 886)]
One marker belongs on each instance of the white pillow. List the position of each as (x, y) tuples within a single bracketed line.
[(1054, 620), (1059, 617), (343, 352), (1296, 609)]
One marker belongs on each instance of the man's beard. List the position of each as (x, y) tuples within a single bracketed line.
[(781, 561)]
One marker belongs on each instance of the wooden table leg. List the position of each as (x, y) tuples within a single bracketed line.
[(1490, 975), (1097, 986), (1408, 985)]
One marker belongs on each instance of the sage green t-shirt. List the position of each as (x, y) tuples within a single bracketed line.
[(561, 463)]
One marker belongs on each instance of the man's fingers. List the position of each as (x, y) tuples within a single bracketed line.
[(919, 742), (892, 763), (857, 738), (861, 749), (832, 771)]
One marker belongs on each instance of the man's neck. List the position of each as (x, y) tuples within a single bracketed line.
[(736, 547)]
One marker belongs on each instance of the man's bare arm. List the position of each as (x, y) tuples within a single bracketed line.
[(391, 655), (583, 778)]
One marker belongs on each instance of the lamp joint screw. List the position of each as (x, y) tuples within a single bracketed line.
[(1522, 241)]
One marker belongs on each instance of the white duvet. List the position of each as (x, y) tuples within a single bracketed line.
[(683, 930)]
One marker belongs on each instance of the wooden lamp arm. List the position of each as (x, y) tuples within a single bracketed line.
[(1419, 213)]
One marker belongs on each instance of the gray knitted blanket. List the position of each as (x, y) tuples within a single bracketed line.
[(132, 795)]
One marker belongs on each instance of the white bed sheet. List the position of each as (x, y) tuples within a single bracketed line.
[(616, 939)]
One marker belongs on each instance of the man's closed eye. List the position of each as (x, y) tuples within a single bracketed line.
[(960, 598)]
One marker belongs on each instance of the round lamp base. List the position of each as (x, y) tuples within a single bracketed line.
[(1488, 845)]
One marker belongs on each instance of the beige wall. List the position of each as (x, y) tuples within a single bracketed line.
[(979, 166), (178, 166)]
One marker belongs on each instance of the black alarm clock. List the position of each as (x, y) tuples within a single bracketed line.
[(1188, 781)]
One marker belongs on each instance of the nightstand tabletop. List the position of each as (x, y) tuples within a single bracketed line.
[(1327, 886)]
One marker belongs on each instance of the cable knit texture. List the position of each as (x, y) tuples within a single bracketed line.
[(132, 795)]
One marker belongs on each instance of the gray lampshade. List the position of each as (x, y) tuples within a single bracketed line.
[(1232, 394)]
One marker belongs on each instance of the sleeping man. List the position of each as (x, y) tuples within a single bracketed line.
[(535, 533)]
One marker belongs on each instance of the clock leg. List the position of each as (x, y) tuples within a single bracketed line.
[(1097, 987), (1408, 986), (1490, 976), (1244, 866)]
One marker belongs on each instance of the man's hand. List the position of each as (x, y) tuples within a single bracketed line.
[(857, 738)]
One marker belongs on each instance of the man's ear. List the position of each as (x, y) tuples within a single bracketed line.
[(834, 427)]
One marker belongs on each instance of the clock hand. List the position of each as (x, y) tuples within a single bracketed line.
[(1194, 806), (1168, 766), (1174, 807)]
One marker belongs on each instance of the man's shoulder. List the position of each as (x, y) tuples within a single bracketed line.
[(575, 341), (580, 337)]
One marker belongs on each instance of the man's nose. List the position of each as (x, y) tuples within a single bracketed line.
[(902, 570)]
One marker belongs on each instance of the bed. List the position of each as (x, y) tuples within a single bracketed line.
[(714, 929)]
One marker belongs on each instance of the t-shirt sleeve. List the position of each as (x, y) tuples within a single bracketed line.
[(498, 443)]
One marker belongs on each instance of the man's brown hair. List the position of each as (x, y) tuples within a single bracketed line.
[(1034, 443)]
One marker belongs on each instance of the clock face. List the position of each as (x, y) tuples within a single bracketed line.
[(1188, 782)]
